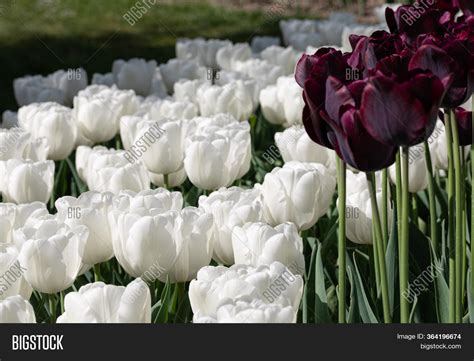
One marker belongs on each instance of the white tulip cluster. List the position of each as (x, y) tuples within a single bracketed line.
[(60, 87), (185, 125), (334, 31)]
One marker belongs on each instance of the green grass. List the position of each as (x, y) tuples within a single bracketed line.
[(41, 36)]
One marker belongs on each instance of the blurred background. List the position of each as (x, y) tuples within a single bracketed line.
[(41, 36)]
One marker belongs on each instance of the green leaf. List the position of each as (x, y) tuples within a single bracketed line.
[(365, 310), (165, 300), (391, 263), (470, 299), (321, 303), (309, 290)]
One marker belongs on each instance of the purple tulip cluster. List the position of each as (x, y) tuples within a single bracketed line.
[(387, 93)]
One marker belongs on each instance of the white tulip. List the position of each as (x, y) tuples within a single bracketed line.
[(9, 119), (299, 192), (216, 286), (16, 309), (103, 79), (193, 231), (204, 51), (136, 74), (36, 89), (286, 58), (172, 110), (52, 255), (186, 90), (37, 150), (13, 143), (257, 244), (149, 202), (228, 56), (128, 129), (438, 148), (283, 103), (101, 303), (70, 82), (359, 219), (25, 181), (260, 43), (231, 98), (145, 245), (332, 28), (14, 216), (109, 170), (251, 311), (261, 71), (417, 170), (98, 109), (231, 208), (12, 282), (53, 122), (213, 161), (178, 69), (166, 154), (292, 26), (294, 144), (91, 210), (301, 41)]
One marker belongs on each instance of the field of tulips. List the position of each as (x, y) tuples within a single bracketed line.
[(324, 176)]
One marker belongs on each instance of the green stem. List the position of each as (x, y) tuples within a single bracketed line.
[(458, 221), (166, 181), (432, 199), (405, 239), (52, 307), (385, 208), (472, 209), (416, 217), (97, 276), (451, 221), (380, 252), (398, 191), (61, 295), (341, 190)]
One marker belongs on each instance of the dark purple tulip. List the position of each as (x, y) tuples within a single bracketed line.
[(401, 108), (464, 122), (450, 56), (311, 74), (369, 50), (410, 21), (332, 94)]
